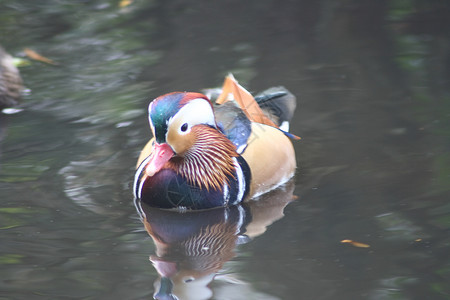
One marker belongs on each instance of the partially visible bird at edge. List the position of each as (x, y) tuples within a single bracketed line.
[(10, 89), (10, 81)]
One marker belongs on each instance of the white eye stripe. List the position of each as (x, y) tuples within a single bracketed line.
[(197, 111)]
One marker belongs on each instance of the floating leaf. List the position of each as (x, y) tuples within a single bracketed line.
[(36, 56), (356, 244)]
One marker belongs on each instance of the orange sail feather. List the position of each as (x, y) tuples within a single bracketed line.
[(244, 99)]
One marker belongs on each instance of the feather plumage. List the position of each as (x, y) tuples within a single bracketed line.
[(208, 163), (205, 156)]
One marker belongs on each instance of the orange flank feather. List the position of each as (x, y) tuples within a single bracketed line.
[(245, 101)]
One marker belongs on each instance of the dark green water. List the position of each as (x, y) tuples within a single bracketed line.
[(373, 85)]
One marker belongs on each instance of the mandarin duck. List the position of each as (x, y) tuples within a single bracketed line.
[(203, 155), (10, 81)]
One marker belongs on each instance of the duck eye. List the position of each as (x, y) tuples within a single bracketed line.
[(184, 127)]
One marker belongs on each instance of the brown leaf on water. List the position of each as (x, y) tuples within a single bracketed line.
[(36, 56), (356, 244), (125, 3)]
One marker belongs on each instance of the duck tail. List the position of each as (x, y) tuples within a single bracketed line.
[(278, 104)]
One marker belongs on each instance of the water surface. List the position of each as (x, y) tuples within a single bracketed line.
[(372, 81)]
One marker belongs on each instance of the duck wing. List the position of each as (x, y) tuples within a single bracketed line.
[(233, 122), (274, 107)]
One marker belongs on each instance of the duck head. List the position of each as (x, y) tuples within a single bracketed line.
[(187, 139), (172, 118)]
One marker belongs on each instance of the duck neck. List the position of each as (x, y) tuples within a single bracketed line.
[(209, 162)]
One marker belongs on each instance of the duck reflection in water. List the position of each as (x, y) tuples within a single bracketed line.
[(192, 246)]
